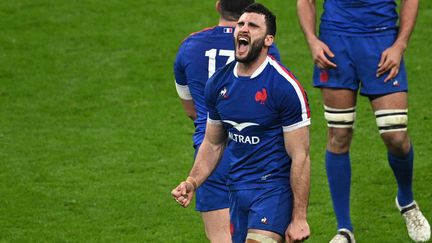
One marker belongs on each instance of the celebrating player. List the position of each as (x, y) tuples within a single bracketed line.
[(259, 112), (199, 56)]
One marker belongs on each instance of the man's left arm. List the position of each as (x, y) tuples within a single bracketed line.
[(189, 109), (297, 147), (392, 56)]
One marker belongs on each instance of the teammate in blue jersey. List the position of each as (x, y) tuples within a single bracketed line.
[(259, 112), (360, 47), (199, 56)]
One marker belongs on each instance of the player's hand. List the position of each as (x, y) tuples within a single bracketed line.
[(320, 53), (183, 193), (390, 62), (298, 231)]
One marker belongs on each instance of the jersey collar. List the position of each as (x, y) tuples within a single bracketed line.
[(257, 72)]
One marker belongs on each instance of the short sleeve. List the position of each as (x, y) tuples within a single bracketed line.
[(292, 104), (181, 81)]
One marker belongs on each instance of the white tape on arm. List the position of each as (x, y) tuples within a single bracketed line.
[(183, 91)]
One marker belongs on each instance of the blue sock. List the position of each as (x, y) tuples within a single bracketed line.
[(403, 171), (338, 167)]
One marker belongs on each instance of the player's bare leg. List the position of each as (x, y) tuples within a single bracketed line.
[(217, 225), (391, 112), (261, 236), (340, 115), (339, 139)]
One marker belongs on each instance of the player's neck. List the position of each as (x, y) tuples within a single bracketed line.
[(226, 23), (247, 69)]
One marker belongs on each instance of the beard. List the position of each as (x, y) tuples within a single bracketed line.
[(254, 52)]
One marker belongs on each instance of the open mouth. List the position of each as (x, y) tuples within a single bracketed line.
[(243, 44)]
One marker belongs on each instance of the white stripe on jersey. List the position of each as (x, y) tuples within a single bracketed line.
[(214, 122), (183, 91), (296, 125), (296, 86)]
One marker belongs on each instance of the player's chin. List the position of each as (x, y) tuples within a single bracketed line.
[(241, 58)]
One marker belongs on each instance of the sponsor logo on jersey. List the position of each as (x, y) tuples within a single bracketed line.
[(242, 138), (240, 126), (223, 93), (324, 76), (261, 96)]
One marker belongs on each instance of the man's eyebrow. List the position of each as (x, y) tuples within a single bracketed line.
[(253, 24)]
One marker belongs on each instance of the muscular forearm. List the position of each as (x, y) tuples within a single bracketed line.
[(408, 15), (206, 160), (307, 16), (300, 183), (297, 147)]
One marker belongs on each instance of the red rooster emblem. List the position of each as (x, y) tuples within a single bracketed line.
[(261, 96), (324, 76)]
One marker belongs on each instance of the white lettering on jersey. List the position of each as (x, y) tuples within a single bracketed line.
[(240, 126), (211, 54), (243, 139)]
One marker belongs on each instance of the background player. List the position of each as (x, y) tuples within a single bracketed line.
[(199, 56), (260, 112), (361, 46)]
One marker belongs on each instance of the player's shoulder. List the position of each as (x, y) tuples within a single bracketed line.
[(222, 73), (284, 74), (284, 80), (203, 33)]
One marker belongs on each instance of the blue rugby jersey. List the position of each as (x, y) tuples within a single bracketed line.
[(255, 111), (199, 56), (358, 17)]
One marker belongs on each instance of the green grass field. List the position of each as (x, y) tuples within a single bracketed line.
[(93, 137)]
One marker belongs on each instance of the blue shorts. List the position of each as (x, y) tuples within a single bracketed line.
[(213, 194), (357, 59), (262, 208)]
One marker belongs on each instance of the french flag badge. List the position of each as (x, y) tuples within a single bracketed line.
[(228, 30)]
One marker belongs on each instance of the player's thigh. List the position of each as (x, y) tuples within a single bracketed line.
[(367, 51), (239, 209), (263, 236), (271, 211), (396, 100), (339, 98), (217, 225), (344, 75)]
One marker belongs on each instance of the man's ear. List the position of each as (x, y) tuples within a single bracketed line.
[(218, 6), (268, 41)]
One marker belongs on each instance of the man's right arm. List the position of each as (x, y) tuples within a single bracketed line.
[(208, 157), (307, 16)]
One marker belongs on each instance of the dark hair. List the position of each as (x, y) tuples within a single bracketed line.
[(232, 9), (270, 18)]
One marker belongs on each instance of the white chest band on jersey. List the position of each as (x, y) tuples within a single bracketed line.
[(392, 120), (340, 118)]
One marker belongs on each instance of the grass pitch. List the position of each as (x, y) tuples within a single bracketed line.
[(93, 137)]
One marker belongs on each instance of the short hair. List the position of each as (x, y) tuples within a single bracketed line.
[(270, 18), (232, 9)]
